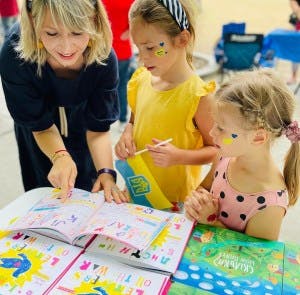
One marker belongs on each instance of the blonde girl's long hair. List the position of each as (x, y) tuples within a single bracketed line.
[(266, 102), (87, 16), (153, 12)]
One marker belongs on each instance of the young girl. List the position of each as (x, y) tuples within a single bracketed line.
[(58, 73), (248, 193), (167, 98)]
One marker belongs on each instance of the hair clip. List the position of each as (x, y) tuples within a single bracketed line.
[(292, 132), (29, 5)]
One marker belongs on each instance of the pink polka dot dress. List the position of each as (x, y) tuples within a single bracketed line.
[(236, 208)]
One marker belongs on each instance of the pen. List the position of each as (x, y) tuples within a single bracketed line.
[(158, 144)]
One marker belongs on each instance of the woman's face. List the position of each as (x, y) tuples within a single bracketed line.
[(65, 47)]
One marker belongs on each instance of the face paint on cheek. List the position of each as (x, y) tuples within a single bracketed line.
[(161, 51), (228, 141)]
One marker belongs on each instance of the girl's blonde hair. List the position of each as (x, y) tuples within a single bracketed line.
[(265, 102), (87, 16), (153, 12)]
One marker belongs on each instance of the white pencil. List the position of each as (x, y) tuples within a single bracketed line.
[(158, 144)]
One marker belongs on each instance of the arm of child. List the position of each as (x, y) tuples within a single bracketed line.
[(266, 223), (125, 147), (168, 154)]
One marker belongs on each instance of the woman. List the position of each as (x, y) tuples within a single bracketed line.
[(59, 77)]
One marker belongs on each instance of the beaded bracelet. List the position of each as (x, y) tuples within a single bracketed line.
[(112, 172)]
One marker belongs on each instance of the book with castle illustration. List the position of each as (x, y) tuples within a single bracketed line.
[(96, 274), (30, 263), (162, 255), (221, 261), (87, 214)]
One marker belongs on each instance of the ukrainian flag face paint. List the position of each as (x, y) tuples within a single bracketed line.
[(229, 140), (160, 52)]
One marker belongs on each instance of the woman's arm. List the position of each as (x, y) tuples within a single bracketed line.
[(100, 147), (63, 172)]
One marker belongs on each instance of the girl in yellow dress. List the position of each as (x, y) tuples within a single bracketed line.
[(167, 98)]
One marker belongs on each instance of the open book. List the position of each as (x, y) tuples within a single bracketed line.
[(164, 253), (95, 274), (85, 213), (31, 263)]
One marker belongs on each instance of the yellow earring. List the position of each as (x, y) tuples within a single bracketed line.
[(40, 45), (89, 43)]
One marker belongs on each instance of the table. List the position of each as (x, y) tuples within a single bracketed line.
[(285, 43)]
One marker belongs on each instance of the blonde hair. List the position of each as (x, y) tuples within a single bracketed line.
[(87, 16), (265, 102), (153, 12)]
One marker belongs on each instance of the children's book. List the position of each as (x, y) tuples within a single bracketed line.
[(95, 274), (221, 261), (30, 263), (291, 277), (164, 253), (85, 213)]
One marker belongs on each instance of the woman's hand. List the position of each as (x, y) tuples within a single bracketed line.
[(106, 182), (202, 207), (164, 155), (125, 147), (63, 174)]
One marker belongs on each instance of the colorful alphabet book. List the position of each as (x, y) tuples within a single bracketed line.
[(291, 277), (30, 263), (221, 261), (95, 274), (164, 254), (85, 213)]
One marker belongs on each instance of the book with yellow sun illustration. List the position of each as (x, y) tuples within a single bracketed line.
[(96, 274), (85, 214), (162, 255), (221, 261), (30, 263)]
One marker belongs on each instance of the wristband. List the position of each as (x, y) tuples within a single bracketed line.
[(112, 172)]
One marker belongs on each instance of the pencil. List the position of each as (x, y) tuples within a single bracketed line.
[(158, 144)]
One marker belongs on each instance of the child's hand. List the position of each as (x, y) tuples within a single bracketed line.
[(125, 147), (163, 156), (202, 207)]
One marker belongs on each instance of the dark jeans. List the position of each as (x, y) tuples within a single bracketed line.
[(124, 74)]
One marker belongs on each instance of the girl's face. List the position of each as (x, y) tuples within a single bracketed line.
[(227, 132), (65, 47), (157, 52)]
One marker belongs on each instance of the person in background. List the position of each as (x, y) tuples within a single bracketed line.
[(245, 190), (167, 98), (294, 20), (118, 15), (59, 76), (9, 12)]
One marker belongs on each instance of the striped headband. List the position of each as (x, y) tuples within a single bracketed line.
[(177, 12)]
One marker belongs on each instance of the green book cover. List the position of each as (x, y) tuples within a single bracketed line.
[(221, 261), (291, 277)]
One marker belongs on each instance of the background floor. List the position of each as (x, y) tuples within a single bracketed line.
[(260, 17)]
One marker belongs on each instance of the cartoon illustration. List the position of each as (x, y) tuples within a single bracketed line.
[(21, 264)]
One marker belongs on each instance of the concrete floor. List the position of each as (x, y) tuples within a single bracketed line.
[(259, 18)]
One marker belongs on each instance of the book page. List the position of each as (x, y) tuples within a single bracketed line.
[(65, 218), (132, 224), (30, 263), (95, 274), (163, 254)]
